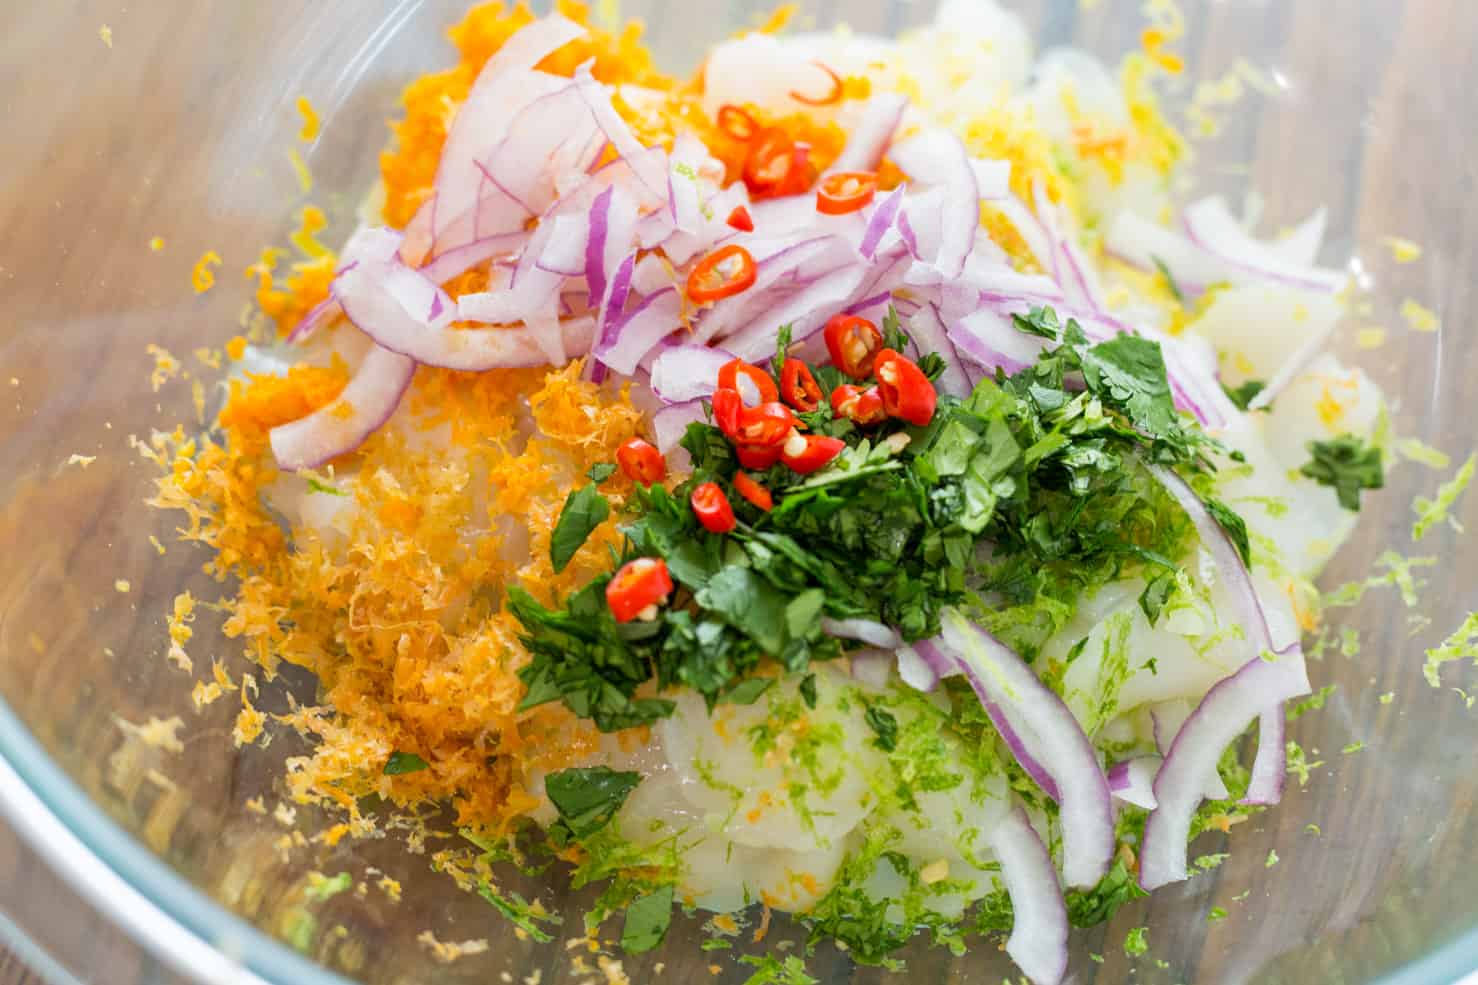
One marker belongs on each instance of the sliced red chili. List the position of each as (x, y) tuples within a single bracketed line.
[(757, 457), (755, 493), (741, 220), (736, 122), (725, 272), (712, 508), (771, 158), (727, 405), (798, 179), (640, 583), (807, 453), (846, 191), (853, 342), (907, 393), (728, 378), (765, 426), (831, 97), (798, 387), (863, 407), (641, 461)]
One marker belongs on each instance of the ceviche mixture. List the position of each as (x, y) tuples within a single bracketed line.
[(841, 482)]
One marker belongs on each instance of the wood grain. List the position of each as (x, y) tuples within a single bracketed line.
[(97, 165)]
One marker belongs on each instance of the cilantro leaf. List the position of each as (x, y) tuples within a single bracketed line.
[(1235, 527), (1175, 290), (747, 692), (1041, 322), (587, 798), (894, 337), (647, 920), (782, 351), (885, 726), (808, 690), (401, 763), (1244, 394), (584, 510), (1128, 374), (600, 472), (1346, 465), (1156, 593), (1136, 942)]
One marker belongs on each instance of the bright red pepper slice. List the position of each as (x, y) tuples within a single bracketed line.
[(853, 342), (728, 379), (725, 272), (757, 457), (736, 122), (713, 509), (863, 407), (846, 191), (638, 584), (807, 453), (834, 95), (907, 393), (765, 426), (772, 158), (741, 220), (641, 461), (798, 387), (755, 493), (727, 405)]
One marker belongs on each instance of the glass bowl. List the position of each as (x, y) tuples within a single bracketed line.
[(174, 120)]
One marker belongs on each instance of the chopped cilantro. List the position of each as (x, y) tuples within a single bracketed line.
[(1461, 645), (1244, 394), (1234, 526), (600, 472), (884, 726), (584, 510), (1431, 512), (747, 692), (770, 970), (1347, 466), (808, 690), (1298, 763), (1217, 913), (1156, 593), (520, 912), (315, 485), (1091, 907), (647, 920), (1170, 283), (1272, 858), (1136, 942), (321, 887), (1313, 702), (1387, 698), (401, 763), (587, 798), (782, 351), (1205, 863), (1313, 829), (1352, 747)]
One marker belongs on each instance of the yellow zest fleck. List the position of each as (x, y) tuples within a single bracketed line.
[(1403, 250), (82, 461), (935, 871), (256, 806), (166, 366), (157, 546), (249, 721), (300, 168), (1154, 40), (779, 19), (764, 926), (106, 34), (445, 952), (313, 222), (156, 733), (1418, 317), (156, 244), (236, 348), (1370, 338), (122, 586), (202, 277), (725, 923), (310, 120), (178, 621)]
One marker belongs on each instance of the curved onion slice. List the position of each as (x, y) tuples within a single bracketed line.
[(1038, 941), (872, 667), (1000, 677), (1212, 227), (929, 335), (938, 158), (1133, 781), (805, 311), (651, 172), (915, 671), (343, 425), (640, 330), (1227, 709), (864, 630), (686, 372), (873, 133), (1167, 717), (991, 340), (1269, 766), (670, 424)]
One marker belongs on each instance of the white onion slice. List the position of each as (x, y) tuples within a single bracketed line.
[(1212, 227), (1228, 708), (929, 335), (872, 667), (686, 372), (1000, 677), (864, 630), (1039, 929), (343, 425), (873, 133), (1167, 717), (640, 331), (938, 158), (670, 424), (915, 671)]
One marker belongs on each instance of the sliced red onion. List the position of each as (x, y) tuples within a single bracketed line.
[(640, 330), (1301, 246), (1029, 228), (777, 262), (938, 158), (342, 426), (864, 630), (670, 423), (687, 372), (1210, 225), (992, 340), (506, 84), (1058, 743), (1226, 710), (1076, 274), (1294, 366), (929, 335), (462, 259), (1133, 781), (872, 667), (874, 131), (1270, 765), (1039, 928), (806, 312), (613, 305), (650, 172), (915, 671), (992, 178), (317, 317), (1167, 717), (882, 219)]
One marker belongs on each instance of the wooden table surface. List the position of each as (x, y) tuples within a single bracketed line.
[(1374, 65)]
